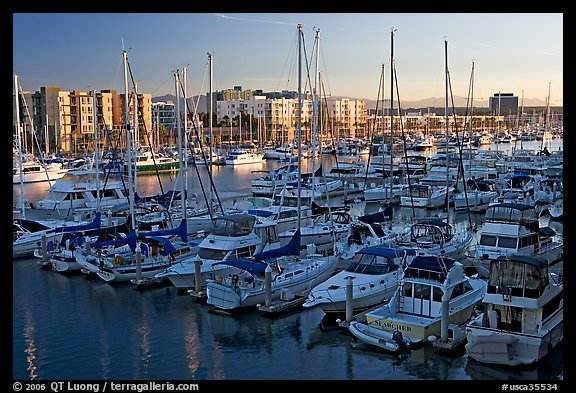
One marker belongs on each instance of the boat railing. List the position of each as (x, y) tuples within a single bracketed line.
[(414, 272)]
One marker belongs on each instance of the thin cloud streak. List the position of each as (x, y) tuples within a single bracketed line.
[(224, 16)]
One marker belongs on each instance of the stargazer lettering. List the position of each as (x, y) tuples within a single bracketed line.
[(391, 325)]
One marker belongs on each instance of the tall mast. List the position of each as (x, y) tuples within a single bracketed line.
[(136, 133), (184, 159), (521, 110), (128, 140), (96, 166), (18, 138), (315, 108), (177, 79), (299, 124), (447, 134), (210, 109), (381, 87), (391, 115)]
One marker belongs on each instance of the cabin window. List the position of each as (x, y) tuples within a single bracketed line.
[(551, 307), (488, 240), (108, 193), (287, 214), (507, 242), (436, 294), (524, 242), (208, 253), (407, 288), (245, 252), (457, 291), (422, 291)]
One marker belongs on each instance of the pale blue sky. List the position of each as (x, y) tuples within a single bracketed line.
[(521, 53)]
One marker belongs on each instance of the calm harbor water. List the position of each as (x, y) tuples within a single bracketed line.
[(75, 328)]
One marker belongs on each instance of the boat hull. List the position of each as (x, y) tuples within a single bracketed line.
[(501, 347)]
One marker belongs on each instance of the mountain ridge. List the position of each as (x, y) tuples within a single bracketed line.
[(422, 104)]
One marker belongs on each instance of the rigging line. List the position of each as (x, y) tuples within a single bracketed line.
[(115, 158), (469, 104), (105, 133), (460, 145), (35, 137), (323, 57), (206, 163), (371, 135), (145, 131), (288, 57), (404, 141)]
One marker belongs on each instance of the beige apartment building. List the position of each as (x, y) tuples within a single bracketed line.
[(63, 121), (339, 117)]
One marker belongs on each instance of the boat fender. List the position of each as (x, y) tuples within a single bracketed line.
[(118, 260)]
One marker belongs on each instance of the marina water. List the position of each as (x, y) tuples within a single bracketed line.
[(76, 328)]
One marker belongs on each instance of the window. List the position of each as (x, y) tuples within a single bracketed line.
[(245, 252), (507, 242), (488, 240), (457, 291), (407, 289), (436, 294), (421, 291)]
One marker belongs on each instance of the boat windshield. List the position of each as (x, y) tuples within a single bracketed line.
[(233, 225), (517, 278), (372, 264)]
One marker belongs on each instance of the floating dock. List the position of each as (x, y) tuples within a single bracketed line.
[(285, 304)]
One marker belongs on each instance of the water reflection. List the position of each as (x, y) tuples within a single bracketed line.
[(29, 335)]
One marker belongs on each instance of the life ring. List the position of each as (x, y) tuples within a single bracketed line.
[(118, 260)]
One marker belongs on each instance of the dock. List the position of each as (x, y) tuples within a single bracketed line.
[(199, 296), (144, 283), (284, 304)]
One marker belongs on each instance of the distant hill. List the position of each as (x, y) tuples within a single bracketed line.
[(423, 104)]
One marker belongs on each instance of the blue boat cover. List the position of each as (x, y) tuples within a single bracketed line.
[(260, 213), (168, 246), (246, 264), (292, 248), (181, 230), (384, 215), (429, 266), (130, 240), (387, 252), (547, 231), (95, 224), (539, 263)]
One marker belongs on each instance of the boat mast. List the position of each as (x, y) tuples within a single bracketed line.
[(299, 123), (96, 166), (177, 79), (315, 109), (391, 115), (447, 207), (136, 135), (210, 109), (21, 199), (184, 161), (128, 140)]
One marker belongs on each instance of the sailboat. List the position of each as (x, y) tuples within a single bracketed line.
[(480, 191), (278, 273)]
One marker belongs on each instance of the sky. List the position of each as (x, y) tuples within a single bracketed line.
[(520, 53)]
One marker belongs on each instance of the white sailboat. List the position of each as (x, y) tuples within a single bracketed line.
[(268, 275)]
